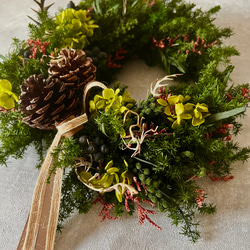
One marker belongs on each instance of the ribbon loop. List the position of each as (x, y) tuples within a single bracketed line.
[(70, 127)]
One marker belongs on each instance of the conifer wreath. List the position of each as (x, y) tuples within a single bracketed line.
[(127, 154)]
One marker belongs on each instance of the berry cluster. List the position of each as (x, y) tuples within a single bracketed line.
[(149, 107), (97, 147), (97, 55), (152, 182)]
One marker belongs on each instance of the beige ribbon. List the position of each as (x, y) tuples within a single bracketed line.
[(40, 228)]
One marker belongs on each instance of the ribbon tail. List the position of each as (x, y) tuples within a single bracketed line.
[(38, 198), (45, 215), (40, 229), (55, 207)]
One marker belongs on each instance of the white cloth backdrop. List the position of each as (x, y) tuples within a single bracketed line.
[(228, 229)]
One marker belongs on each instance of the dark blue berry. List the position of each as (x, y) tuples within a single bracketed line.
[(83, 140), (98, 141), (99, 156), (104, 148), (27, 53), (92, 148)]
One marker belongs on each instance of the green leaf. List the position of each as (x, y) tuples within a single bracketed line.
[(3, 57), (134, 3), (177, 64), (97, 8), (114, 8), (188, 154), (164, 61), (225, 115), (144, 161), (203, 172), (103, 129)]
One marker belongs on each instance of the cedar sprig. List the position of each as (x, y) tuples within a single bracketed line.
[(42, 12), (16, 136), (74, 196)]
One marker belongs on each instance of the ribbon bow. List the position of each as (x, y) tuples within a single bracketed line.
[(40, 228)]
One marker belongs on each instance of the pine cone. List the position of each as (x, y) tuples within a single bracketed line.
[(46, 102), (73, 68)]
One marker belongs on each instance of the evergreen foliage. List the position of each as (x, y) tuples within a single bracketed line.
[(129, 144)]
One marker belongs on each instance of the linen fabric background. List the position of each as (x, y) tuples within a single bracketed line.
[(228, 229)]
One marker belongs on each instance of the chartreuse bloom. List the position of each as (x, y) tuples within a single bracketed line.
[(111, 100), (76, 26), (7, 97), (200, 113), (178, 111), (109, 178)]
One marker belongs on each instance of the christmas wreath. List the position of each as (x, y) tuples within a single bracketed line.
[(126, 155)]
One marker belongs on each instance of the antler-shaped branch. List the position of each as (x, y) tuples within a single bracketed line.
[(158, 84), (136, 136)]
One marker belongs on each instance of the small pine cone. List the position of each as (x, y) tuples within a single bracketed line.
[(73, 68), (46, 102)]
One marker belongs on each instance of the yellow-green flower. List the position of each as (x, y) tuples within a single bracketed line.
[(111, 100), (177, 111), (76, 26), (175, 108), (7, 97), (109, 178), (183, 112), (200, 113)]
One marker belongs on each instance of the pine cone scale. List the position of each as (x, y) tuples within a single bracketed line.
[(35, 100), (31, 107), (58, 110), (43, 109), (69, 84), (71, 105), (61, 98), (38, 119), (48, 96)]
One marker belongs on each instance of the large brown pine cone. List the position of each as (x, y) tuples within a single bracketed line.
[(73, 68), (46, 102)]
